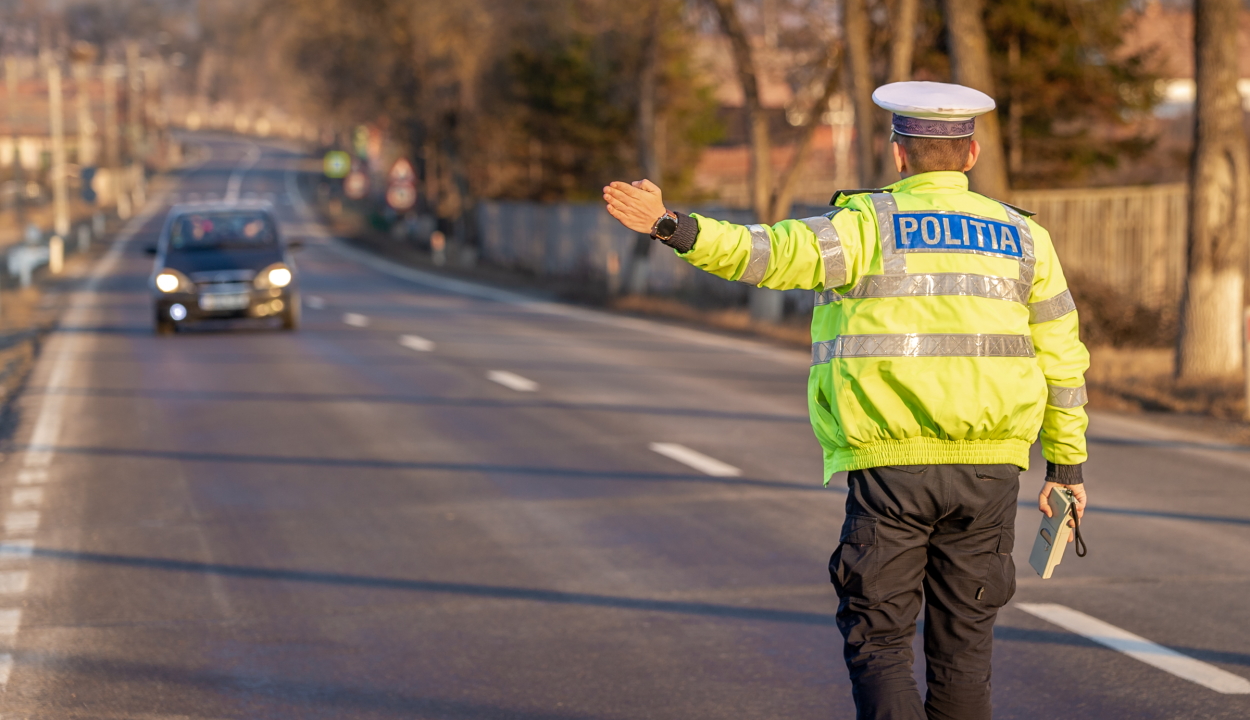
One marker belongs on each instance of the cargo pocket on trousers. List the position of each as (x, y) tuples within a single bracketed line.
[(853, 567), (1000, 578)]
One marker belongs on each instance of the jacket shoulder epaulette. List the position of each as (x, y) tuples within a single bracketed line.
[(1022, 211), (860, 191)]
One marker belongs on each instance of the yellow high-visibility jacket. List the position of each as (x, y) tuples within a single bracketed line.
[(943, 333)]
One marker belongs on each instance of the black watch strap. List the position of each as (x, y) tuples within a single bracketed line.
[(664, 227), (687, 232)]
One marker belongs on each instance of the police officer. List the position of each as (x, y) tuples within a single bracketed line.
[(944, 340)]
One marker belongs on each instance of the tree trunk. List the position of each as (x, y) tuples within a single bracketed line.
[(1219, 208), (857, 31), (761, 146), (902, 50), (971, 66), (784, 194), (648, 149)]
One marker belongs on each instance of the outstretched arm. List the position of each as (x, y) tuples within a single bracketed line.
[(791, 254)]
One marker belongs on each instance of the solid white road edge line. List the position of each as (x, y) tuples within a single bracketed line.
[(26, 497), (695, 459), (1139, 648), (10, 621), (21, 521), (17, 548), (512, 381), (14, 582), (416, 342), (356, 320), (47, 431)]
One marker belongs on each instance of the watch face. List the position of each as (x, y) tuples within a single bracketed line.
[(665, 227)]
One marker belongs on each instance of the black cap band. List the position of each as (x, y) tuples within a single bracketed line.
[(921, 127)]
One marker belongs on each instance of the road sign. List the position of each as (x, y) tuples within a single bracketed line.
[(402, 173), (356, 186), (86, 175), (401, 196), (337, 164)]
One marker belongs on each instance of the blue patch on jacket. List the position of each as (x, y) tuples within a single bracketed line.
[(954, 232)]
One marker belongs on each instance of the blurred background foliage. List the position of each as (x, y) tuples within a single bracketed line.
[(539, 99)]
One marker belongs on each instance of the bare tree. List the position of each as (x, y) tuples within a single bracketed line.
[(1219, 211), (857, 32), (902, 50), (970, 65), (757, 121), (770, 201)]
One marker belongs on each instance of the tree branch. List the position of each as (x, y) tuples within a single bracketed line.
[(784, 194), (761, 145)]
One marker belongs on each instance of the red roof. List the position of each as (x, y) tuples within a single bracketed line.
[(1170, 32)]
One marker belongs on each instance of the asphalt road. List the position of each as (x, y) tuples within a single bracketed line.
[(248, 523)]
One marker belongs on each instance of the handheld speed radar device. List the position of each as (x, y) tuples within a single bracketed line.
[(1052, 536)]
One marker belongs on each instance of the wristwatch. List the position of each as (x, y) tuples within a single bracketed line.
[(664, 228)]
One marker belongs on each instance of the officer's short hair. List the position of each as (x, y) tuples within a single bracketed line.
[(934, 154)]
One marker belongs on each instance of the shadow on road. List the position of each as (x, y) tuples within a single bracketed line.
[(431, 586), (424, 400), (378, 464)]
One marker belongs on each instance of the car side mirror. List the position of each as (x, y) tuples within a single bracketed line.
[(149, 250)]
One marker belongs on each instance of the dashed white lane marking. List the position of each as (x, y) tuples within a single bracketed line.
[(17, 549), (26, 497), (1138, 647), (695, 459), (416, 342), (32, 476), (356, 319), (315, 302), (10, 621), (13, 582), (21, 521), (512, 381), (240, 170)]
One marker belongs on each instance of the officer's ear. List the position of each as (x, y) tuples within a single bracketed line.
[(900, 155), (974, 152)]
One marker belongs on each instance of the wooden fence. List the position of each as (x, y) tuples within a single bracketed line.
[(1131, 238)]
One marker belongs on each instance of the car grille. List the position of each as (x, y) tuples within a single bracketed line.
[(224, 288), (223, 276)]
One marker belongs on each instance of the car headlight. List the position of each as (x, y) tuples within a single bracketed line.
[(279, 277), (167, 282)]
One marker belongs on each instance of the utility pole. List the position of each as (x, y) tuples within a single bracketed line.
[(56, 127), (134, 103), (112, 141), (19, 197), (83, 54)]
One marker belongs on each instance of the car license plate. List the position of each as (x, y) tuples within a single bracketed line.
[(224, 302)]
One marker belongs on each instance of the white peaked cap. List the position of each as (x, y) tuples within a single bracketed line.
[(933, 100), (932, 109)]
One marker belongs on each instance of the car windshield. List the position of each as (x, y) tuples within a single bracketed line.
[(211, 230)]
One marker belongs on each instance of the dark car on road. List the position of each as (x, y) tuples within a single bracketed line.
[(225, 260)]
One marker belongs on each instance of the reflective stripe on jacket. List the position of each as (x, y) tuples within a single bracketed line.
[(943, 333)]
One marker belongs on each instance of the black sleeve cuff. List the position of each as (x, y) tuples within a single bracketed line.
[(687, 231), (1064, 474)]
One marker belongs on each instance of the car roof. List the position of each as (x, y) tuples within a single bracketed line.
[(220, 206)]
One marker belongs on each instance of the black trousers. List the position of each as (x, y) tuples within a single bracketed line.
[(946, 531)]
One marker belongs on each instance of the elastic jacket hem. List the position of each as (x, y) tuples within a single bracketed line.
[(928, 451)]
